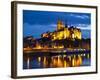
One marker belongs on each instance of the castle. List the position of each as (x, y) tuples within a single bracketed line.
[(63, 37), (63, 32)]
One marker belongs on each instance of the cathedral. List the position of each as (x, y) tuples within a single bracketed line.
[(63, 32)]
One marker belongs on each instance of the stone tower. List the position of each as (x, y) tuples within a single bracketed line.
[(60, 25)]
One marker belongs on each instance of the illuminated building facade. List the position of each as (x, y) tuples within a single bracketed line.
[(63, 32)]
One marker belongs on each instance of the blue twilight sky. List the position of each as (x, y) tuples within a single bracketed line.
[(37, 22)]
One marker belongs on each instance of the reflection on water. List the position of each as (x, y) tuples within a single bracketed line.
[(56, 61)]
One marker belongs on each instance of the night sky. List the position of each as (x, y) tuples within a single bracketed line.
[(37, 22)]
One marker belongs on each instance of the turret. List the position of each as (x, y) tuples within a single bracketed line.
[(60, 25)]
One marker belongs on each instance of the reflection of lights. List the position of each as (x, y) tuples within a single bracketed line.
[(39, 59), (54, 62), (69, 58), (73, 62), (77, 61), (65, 63), (74, 56), (51, 58), (88, 56), (64, 55), (44, 62), (58, 59), (84, 54), (28, 61), (81, 54), (60, 62)]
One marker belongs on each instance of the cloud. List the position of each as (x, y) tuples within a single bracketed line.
[(80, 16), (83, 26)]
